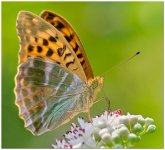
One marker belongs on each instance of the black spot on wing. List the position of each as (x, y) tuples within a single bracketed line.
[(39, 49), (80, 55), (49, 52), (59, 25), (76, 48), (60, 51), (52, 39), (45, 42), (67, 55), (30, 48), (69, 63), (69, 38)]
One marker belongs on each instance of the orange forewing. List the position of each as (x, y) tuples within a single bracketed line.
[(70, 35)]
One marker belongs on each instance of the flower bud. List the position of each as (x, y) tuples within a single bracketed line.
[(137, 128), (151, 128), (101, 124), (103, 131), (133, 120), (132, 139), (124, 120), (116, 139), (110, 128), (96, 133), (106, 138), (141, 120), (121, 125), (123, 132), (149, 121)]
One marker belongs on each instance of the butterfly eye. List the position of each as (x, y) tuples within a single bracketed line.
[(95, 84)]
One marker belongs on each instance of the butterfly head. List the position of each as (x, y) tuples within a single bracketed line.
[(97, 82), (96, 85)]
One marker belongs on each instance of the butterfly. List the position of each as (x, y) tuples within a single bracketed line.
[(54, 81)]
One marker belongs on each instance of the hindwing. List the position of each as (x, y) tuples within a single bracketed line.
[(45, 93)]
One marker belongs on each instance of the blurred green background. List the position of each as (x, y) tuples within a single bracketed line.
[(111, 32)]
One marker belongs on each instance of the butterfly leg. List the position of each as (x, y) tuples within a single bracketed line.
[(89, 111), (69, 116), (89, 116)]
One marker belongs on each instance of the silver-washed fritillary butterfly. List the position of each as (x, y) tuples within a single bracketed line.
[(54, 79)]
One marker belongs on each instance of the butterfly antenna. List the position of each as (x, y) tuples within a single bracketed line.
[(123, 62)]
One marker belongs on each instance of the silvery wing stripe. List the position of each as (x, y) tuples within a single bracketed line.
[(60, 84), (48, 69), (75, 87)]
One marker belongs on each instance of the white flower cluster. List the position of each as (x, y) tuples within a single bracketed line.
[(110, 130)]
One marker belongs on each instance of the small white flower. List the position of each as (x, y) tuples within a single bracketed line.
[(110, 130), (123, 132), (103, 131), (106, 138), (149, 121), (116, 139), (124, 120), (141, 120), (151, 128), (137, 128)]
